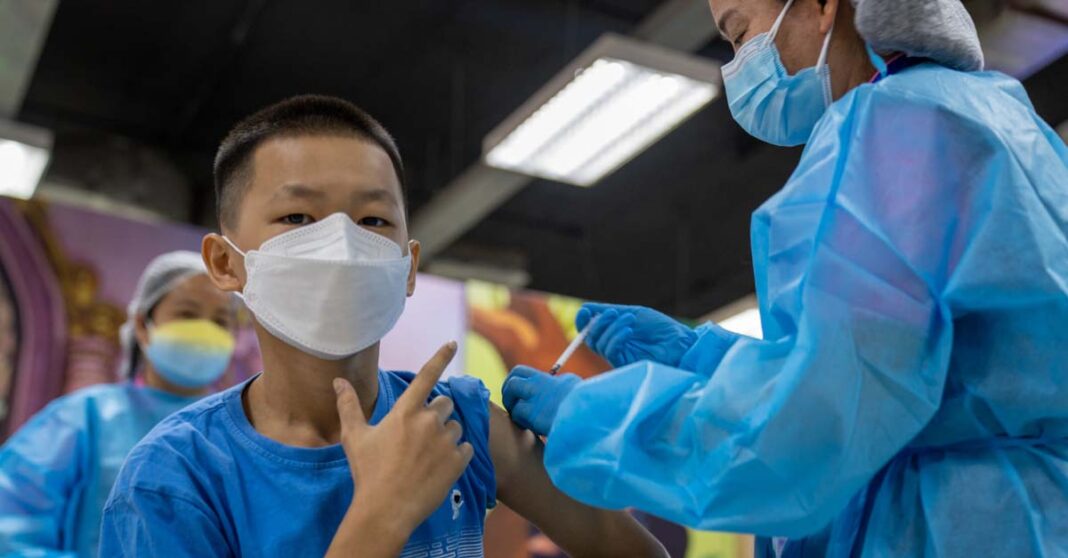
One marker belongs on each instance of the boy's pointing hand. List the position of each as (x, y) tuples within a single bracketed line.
[(408, 462)]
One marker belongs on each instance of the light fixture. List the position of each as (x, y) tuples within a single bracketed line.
[(24, 154), (616, 99)]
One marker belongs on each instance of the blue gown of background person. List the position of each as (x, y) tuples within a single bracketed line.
[(56, 472), (911, 395)]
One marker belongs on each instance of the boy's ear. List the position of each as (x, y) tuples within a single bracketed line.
[(225, 266), (414, 248)]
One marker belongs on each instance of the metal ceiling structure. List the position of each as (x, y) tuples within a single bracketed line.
[(24, 25), (139, 96), (685, 25)]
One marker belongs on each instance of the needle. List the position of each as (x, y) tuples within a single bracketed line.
[(575, 344)]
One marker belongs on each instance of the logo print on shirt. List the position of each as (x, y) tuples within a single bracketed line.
[(457, 500)]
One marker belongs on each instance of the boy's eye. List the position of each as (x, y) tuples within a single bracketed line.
[(297, 219), (373, 222)]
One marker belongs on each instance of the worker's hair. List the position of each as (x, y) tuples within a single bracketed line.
[(303, 115)]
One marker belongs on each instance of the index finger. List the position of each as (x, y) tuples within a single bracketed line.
[(424, 382), (600, 326), (348, 405)]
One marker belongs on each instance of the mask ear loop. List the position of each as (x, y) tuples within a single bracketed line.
[(243, 255), (234, 246), (150, 327), (828, 95), (778, 22)]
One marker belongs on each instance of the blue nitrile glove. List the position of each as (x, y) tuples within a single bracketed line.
[(532, 397), (627, 334)]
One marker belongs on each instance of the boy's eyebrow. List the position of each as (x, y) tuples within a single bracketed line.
[(298, 191), (376, 194)]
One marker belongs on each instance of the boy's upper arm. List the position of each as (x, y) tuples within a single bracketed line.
[(508, 446), (524, 486), (147, 523), (517, 462)]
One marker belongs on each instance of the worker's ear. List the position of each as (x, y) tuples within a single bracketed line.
[(226, 267), (414, 248), (828, 13), (141, 331)]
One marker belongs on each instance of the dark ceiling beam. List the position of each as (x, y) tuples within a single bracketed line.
[(24, 26), (474, 194), (230, 53), (684, 25)]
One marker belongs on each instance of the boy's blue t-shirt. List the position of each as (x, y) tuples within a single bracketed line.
[(205, 483)]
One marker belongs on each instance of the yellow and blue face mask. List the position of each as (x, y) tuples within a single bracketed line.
[(190, 353)]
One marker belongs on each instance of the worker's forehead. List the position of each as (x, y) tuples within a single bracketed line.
[(732, 17), (742, 8)]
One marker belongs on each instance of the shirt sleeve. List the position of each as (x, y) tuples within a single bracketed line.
[(150, 524), (472, 405), (40, 468)]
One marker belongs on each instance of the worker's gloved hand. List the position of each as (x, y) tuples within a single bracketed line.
[(532, 397), (627, 334)]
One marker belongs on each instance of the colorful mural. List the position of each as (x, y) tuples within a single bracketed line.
[(67, 275), (9, 342), (507, 328)]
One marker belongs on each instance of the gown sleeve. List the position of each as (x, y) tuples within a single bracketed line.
[(41, 468), (774, 437)]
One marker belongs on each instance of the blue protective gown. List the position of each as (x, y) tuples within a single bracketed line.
[(56, 472), (911, 395)]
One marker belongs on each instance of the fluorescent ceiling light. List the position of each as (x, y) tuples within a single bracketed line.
[(24, 154), (610, 104)]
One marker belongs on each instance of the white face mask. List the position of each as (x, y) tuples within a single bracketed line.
[(330, 289)]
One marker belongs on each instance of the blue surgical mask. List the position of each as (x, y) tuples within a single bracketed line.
[(190, 353), (769, 103)]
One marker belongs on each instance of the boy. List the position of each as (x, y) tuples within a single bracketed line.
[(323, 453)]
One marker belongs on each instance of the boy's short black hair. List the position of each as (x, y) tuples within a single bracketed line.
[(295, 116)]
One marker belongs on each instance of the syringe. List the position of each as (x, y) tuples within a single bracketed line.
[(575, 344)]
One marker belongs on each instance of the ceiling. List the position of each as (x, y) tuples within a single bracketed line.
[(140, 97)]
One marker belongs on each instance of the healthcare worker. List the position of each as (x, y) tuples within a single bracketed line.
[(910, 395), (56, 472)]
